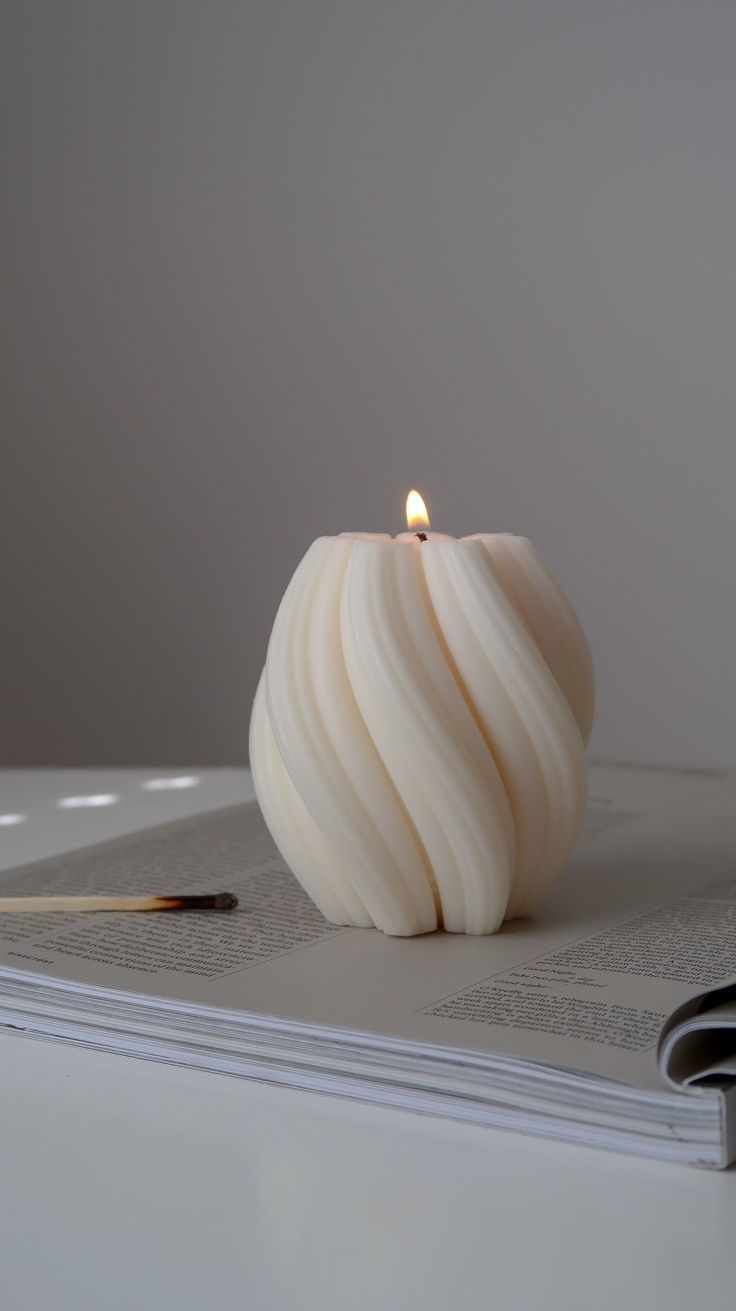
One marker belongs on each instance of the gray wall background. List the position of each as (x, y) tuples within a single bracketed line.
[(266, 265)]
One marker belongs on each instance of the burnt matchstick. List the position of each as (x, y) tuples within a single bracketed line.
[(77, 905)]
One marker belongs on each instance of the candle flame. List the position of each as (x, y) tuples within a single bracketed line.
[(416, 511)]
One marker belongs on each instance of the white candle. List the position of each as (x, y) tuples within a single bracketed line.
[(417, 738)]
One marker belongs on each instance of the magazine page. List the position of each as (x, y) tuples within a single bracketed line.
[(635, 928), (619, 794)]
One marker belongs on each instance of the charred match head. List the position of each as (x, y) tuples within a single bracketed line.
[(211, 901)]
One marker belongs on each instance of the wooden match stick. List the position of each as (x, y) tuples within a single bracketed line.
[(76, 905)]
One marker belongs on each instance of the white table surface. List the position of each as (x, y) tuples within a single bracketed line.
[(126, 1184)]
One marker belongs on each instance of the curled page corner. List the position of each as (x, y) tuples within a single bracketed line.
[(697, 1051), (698, 1043)]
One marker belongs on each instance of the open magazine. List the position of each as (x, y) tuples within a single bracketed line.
[(608, 1019)]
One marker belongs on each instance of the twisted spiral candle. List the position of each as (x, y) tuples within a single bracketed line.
[(418, 734)]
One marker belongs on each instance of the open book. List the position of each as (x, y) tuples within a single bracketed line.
[(608, 1019)]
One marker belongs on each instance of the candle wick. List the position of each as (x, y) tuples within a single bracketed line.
[(422, 536)]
